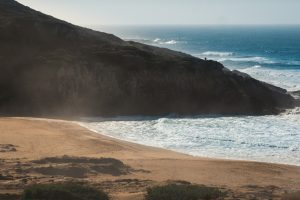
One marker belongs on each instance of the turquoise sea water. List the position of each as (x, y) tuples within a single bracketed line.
[(269, 53)]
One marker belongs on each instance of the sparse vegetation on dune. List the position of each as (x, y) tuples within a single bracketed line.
[(183, 192), (63, 191), (78, 167), (81, 191)]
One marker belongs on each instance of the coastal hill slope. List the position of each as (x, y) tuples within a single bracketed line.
[(51, 67)]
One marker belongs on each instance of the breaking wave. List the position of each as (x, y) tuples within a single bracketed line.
[(216, 53), (256, 59), (272, 139), (260, 138), (160, 41), (156, 41), (288, 79)]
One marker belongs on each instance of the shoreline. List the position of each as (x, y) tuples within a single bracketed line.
[(273, 156), (194, 156), (150, 146), (36, 139)]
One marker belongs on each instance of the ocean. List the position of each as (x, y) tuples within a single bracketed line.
[(267, 53)]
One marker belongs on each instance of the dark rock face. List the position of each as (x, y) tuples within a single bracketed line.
[(50, 67)]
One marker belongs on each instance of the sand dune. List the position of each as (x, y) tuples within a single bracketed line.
[(24, 142)]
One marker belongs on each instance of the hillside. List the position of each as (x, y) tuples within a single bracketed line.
[(53, 68)]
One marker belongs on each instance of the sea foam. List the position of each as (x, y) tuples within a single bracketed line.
[(216, 53), (288, 78), (272, 139), (259, 138), (162, 42), (257, 59)]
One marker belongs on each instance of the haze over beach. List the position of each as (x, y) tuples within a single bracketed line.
[(128, 99)]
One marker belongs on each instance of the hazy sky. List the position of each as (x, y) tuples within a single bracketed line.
[(96, 12)]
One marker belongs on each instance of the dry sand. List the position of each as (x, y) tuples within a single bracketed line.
[(23, 140)]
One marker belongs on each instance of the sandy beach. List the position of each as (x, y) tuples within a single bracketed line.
[(25, 142)]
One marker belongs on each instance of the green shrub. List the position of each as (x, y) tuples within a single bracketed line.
[(183, 192), (63, 191)]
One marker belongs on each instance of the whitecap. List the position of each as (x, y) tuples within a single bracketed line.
[(252, 67), (257, 59), (164, 42), (217, 53), (170, 42), (156, 40), (293, 62)]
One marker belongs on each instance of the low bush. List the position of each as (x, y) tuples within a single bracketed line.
[(183, 192), (63, 191)]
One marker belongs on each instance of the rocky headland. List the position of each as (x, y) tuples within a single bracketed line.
[(52, 68)]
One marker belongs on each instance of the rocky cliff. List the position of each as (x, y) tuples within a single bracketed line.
[(51, 67)]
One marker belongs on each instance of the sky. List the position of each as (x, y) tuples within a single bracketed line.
[(184, 12)]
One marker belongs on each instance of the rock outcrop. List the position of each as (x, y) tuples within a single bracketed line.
[(51, 67)]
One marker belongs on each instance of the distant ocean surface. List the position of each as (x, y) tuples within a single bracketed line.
[(267, 53)]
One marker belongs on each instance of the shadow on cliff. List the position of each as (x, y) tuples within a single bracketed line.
[(51, 68)]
